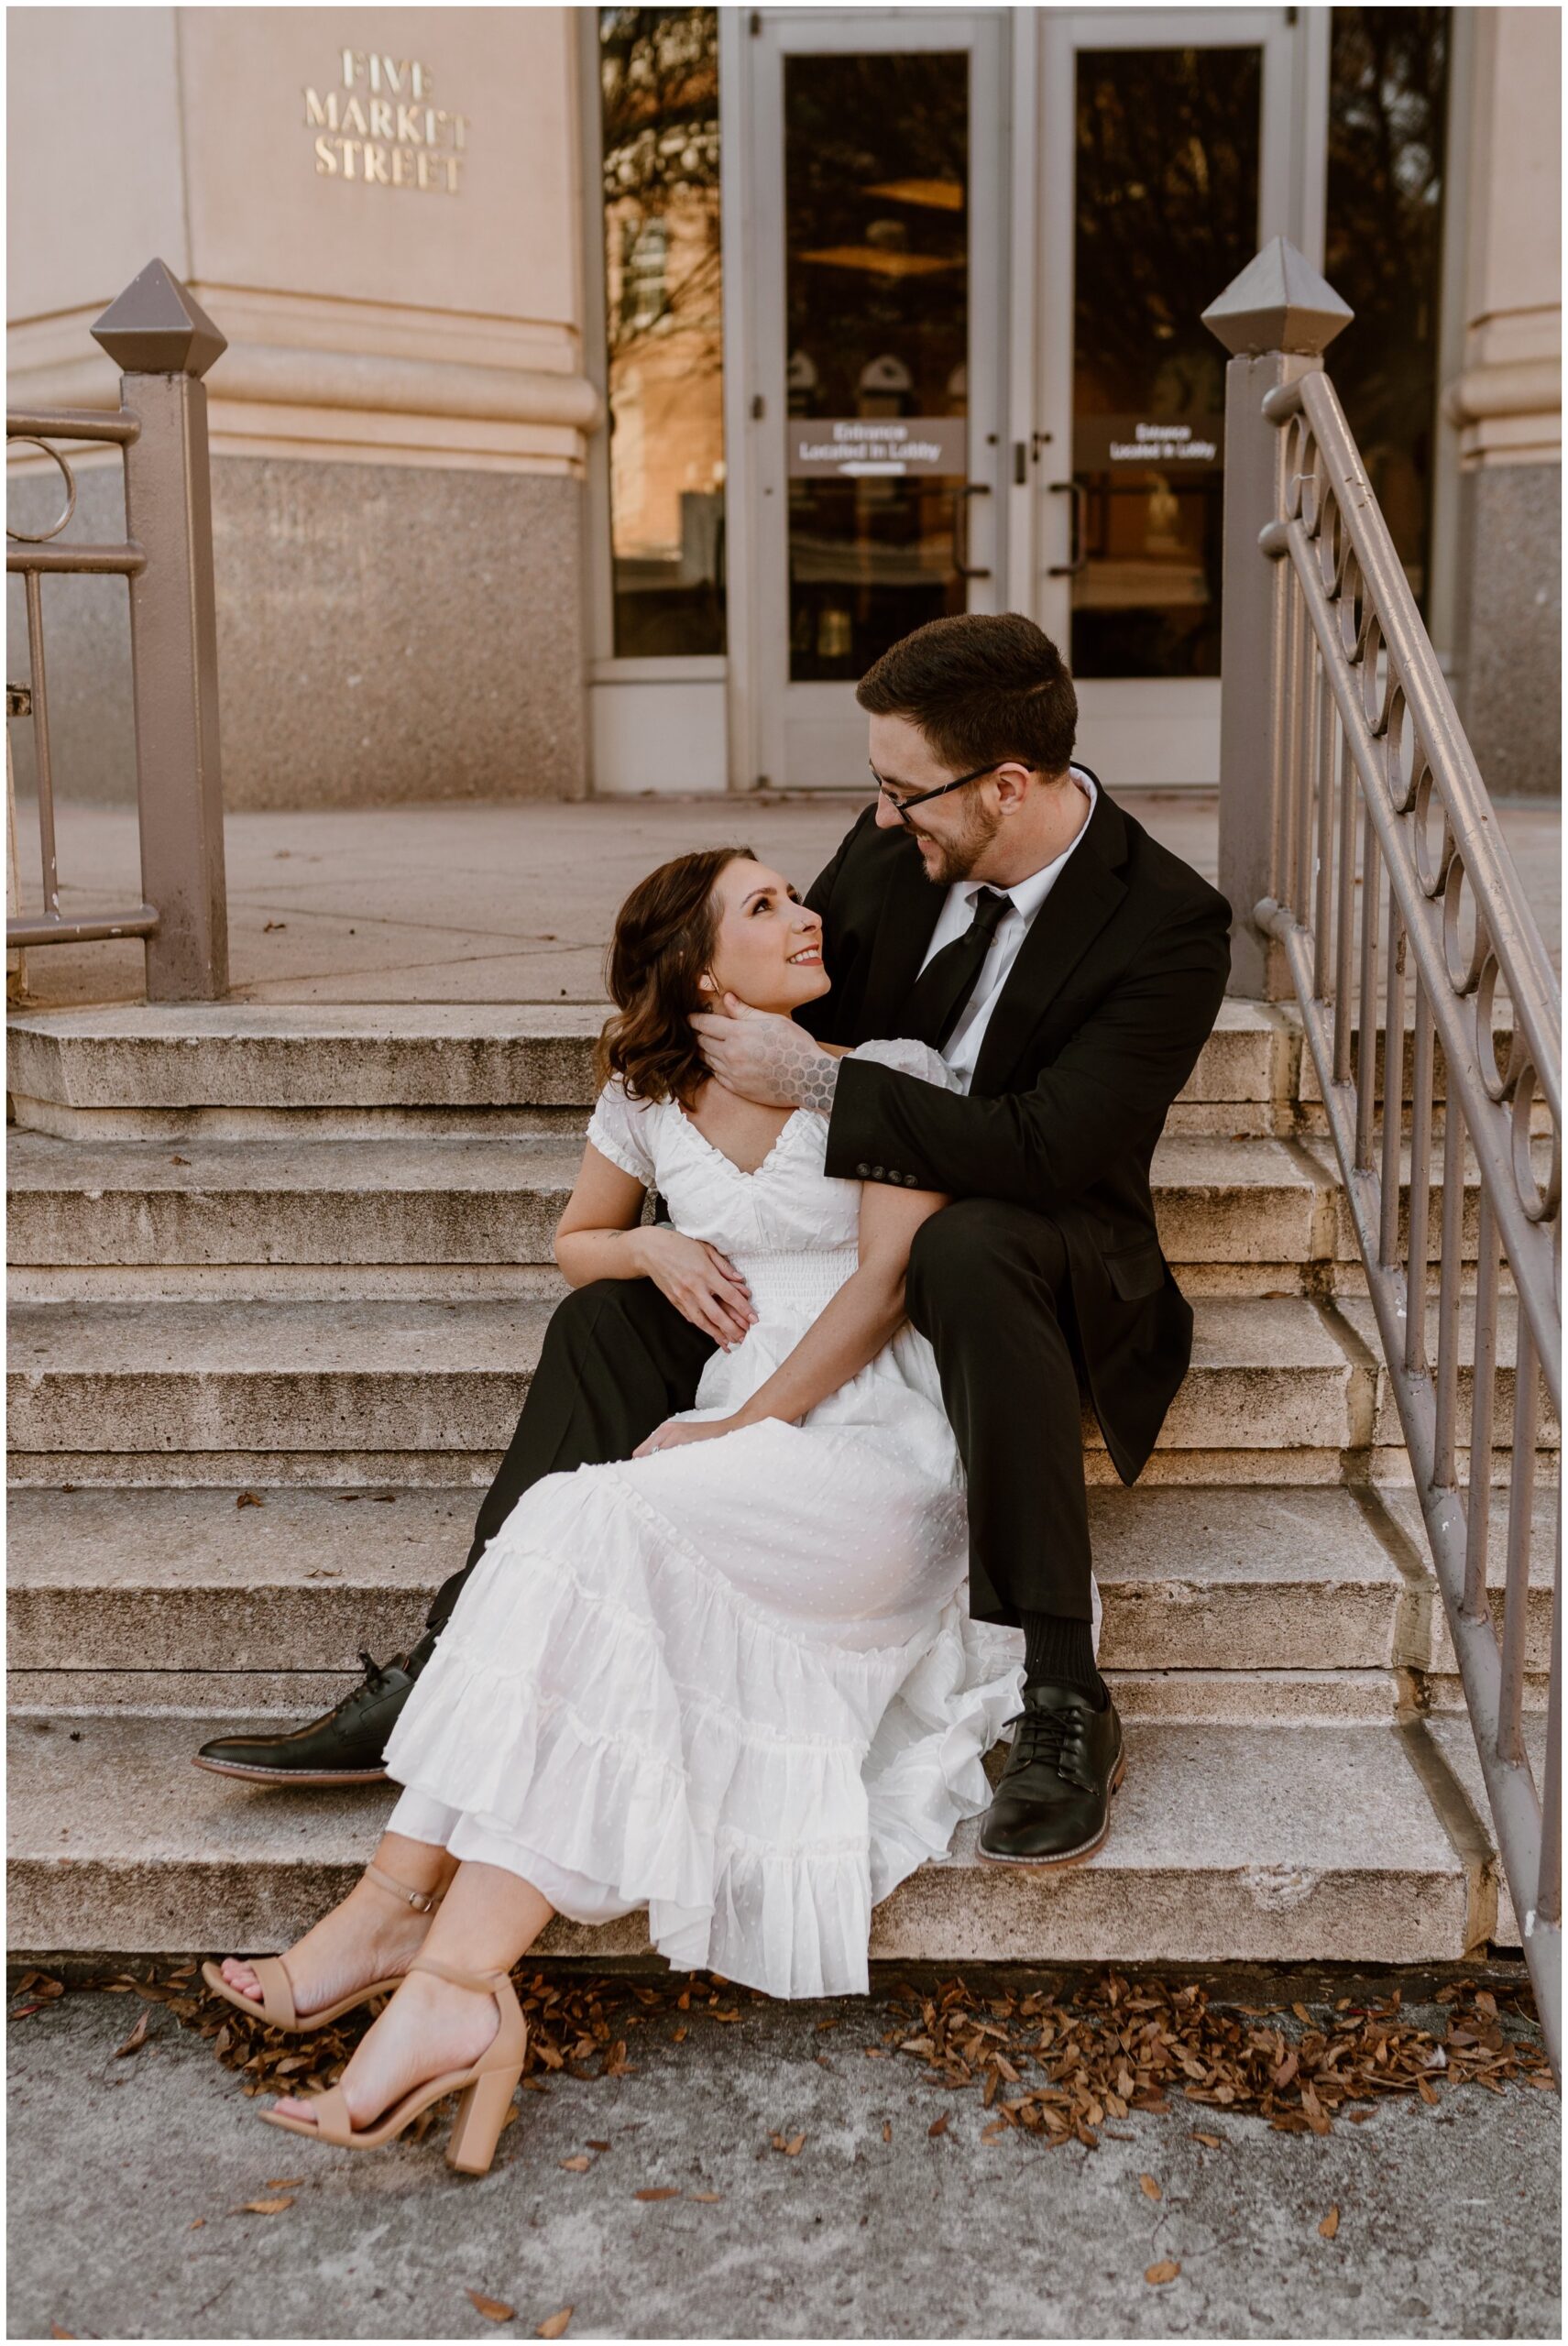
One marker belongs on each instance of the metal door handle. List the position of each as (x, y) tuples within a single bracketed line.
[(961, 562), (1078, 492)]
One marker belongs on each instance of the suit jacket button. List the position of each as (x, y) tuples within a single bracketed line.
[(878, 1174), (864, 1171), (912, 1180)]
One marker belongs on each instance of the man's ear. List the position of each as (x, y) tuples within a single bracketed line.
[(1011, 781)]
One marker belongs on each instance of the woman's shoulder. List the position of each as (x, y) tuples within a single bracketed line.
[(906, 1056), (624, 1128)]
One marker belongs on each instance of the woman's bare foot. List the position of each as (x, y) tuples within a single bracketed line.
[(429, 2029), (370, 1936)]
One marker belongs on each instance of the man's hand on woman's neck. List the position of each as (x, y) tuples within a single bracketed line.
[(762, 1056)]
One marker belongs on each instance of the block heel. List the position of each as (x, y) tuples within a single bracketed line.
[(481, 2114)]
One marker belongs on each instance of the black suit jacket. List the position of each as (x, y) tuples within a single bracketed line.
[(1097, 1028)]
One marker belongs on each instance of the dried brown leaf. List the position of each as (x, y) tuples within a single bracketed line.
[(938, 2126), (491, 2307), (1149, 2187), (708, 2199), (250, 1499), (1329, 2224), (658, 2191), (264, 2207), (1157, 2275), (578, 2165), (1211, 2141), (136, 2038), (887, 2130)]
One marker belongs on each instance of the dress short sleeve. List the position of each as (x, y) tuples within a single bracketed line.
[(909, 1058), (622, 1129)]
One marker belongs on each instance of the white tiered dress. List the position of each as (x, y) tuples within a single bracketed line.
[(735, 1682)]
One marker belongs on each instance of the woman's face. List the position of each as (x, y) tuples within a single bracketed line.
[(767, 950)]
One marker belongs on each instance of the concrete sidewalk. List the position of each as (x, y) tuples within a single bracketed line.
[(506, 904), (130, 2178)]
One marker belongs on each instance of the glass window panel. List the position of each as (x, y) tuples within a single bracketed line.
[(1167, 214), (876, 260), (659, 70), (1388, 108)]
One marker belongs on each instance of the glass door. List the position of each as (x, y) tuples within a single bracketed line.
[(1167, 159), (876, 198)]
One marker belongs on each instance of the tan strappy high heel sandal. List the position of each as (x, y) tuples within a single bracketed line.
[(486, 2088), (277, 2004)]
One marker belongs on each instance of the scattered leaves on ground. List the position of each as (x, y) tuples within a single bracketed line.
[(578, 2165), (887, 2130), (250, 1499), (493, 2309), (791, 2145), (1149, 2187), (1329, 2224), (937, 2125), (264, 2207), (658, 2191), (1157, 2275), (708, 2199), (555, 2325), (1057, 2065)]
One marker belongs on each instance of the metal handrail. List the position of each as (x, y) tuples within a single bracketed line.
[(1374, 780), (165, 343)]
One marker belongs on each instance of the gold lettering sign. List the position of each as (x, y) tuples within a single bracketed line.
[(380, 126)]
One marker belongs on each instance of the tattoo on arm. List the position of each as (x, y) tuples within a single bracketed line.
[(801, 1072)]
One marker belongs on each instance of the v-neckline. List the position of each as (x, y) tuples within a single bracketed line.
[(741, 1171)]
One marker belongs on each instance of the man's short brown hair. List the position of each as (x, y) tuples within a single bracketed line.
[(983, 688)]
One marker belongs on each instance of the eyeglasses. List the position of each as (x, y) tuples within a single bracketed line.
[(900, 806)]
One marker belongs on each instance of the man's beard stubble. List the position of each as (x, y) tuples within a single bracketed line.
[(957, 857)]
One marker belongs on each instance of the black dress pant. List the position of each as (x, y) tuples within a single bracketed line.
[(988, 1286)]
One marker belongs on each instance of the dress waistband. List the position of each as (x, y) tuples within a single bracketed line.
[(795, 1283)]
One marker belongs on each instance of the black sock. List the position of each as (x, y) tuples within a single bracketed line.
[(1063, 1652)]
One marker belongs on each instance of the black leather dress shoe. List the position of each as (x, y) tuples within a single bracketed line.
[(343, 1747), (1053, 1804)]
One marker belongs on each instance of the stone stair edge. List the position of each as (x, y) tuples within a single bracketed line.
[(1341, 1854)]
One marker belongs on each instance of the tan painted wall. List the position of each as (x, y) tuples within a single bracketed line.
[(1508, 398), (369, 321)]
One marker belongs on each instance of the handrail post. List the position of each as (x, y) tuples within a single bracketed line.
[(1276, 319), (164, 344)]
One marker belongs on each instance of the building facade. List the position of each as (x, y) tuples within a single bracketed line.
[(606, 388)]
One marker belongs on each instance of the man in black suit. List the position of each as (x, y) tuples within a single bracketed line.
[(997, 904)]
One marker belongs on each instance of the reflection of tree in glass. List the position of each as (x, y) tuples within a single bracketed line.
[(1387, 104), (876, 162), (1167, 179), (659, 75)]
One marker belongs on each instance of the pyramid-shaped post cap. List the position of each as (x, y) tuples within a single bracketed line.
[(156, 328), (1278, 303)]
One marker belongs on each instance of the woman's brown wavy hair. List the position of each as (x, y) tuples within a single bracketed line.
[(662, 943)]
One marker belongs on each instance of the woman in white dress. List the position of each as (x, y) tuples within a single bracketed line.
[(733, 1680)]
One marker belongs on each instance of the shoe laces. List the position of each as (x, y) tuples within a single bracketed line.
[(375, 1672), (1047, 1735)]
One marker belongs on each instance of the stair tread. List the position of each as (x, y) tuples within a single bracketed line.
[(36, 1162), (1226, 1841), (201, 1338), (183, 1542)]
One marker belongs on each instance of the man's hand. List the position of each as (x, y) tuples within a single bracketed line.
[(760, 1055)]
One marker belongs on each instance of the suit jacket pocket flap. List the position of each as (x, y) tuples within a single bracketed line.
[(1135, 1271)]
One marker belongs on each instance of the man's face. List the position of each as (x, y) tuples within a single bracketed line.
[(953, 833)]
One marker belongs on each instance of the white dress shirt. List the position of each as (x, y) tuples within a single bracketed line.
[(961, 1050)]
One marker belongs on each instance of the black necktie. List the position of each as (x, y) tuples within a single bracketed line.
[(946, 984)]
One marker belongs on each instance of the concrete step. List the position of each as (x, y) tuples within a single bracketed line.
[(411, 1200), (96, 1383), (142, 1582), (148, 1071), (1229, 1843)]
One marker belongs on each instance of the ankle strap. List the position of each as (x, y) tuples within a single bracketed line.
[(482, 1983), (423, 1901)]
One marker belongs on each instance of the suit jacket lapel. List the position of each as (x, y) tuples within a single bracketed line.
[(1067, 924), (909, 913)]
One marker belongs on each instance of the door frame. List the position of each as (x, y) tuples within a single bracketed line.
[(752, 46), (1151, 732)]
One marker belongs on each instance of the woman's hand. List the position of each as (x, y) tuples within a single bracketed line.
[(673, 1434), (704, 1285)]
